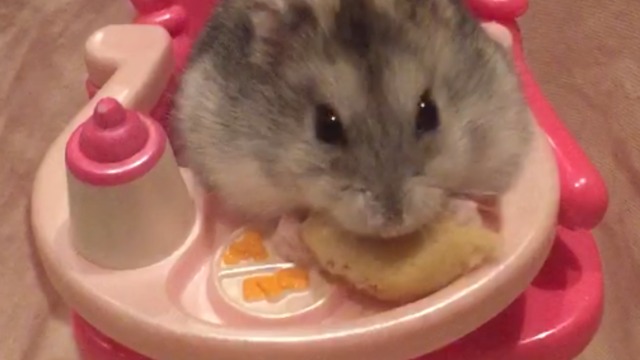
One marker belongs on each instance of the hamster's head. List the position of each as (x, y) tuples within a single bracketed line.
[(374, 111)]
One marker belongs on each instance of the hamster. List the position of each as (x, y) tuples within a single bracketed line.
[(372, 111)]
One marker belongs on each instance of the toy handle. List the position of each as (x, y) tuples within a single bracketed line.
[(173, 19), (584, 197), (130, 63)]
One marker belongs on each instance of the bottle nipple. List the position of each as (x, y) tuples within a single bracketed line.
[(112, 134)]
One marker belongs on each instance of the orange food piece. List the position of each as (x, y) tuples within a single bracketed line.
[(249, 247), (260, 288), (269, 287), (251, 291), (293, 279), (230, 259)]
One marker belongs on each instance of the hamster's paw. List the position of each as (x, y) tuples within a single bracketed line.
[(499, 33), (464, 212), (288, 245)]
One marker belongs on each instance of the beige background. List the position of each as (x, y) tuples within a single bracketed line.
[(586, 54)]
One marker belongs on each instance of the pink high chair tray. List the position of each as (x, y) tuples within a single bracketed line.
[(167, 294)]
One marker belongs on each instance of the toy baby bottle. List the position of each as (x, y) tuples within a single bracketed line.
[(128, 203)]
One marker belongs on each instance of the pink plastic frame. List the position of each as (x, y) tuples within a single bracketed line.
[(558, 315)]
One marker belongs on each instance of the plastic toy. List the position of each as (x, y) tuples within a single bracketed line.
[(121, 231)]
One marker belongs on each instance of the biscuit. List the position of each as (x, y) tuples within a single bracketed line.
[(402, 269)]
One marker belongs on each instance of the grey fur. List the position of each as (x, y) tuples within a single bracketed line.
[(244, 111)]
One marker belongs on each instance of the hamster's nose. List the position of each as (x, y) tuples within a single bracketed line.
[(391, 207), (381, 214), (393, 223)]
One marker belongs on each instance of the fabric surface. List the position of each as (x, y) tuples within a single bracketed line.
[(41, 87), (585, 54)]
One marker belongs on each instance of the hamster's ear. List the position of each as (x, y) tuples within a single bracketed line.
[(274, 23)]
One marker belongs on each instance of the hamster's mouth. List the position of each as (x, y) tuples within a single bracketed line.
[(390, 233), (459, 206), (385, 234)]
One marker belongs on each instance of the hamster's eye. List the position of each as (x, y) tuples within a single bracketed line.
[(328, 126), (428, 118)]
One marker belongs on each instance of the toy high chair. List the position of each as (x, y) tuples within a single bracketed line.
[(138, 252)]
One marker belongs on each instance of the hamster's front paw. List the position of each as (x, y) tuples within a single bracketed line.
[(288, 245), (499, 33), (464, 212)]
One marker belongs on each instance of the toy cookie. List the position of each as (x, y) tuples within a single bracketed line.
[(402, 269)]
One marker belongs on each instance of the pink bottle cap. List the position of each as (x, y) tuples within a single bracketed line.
[(112, 134), (114, 146), (498, 9)]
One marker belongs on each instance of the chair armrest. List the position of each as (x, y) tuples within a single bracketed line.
[(584, 197)]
